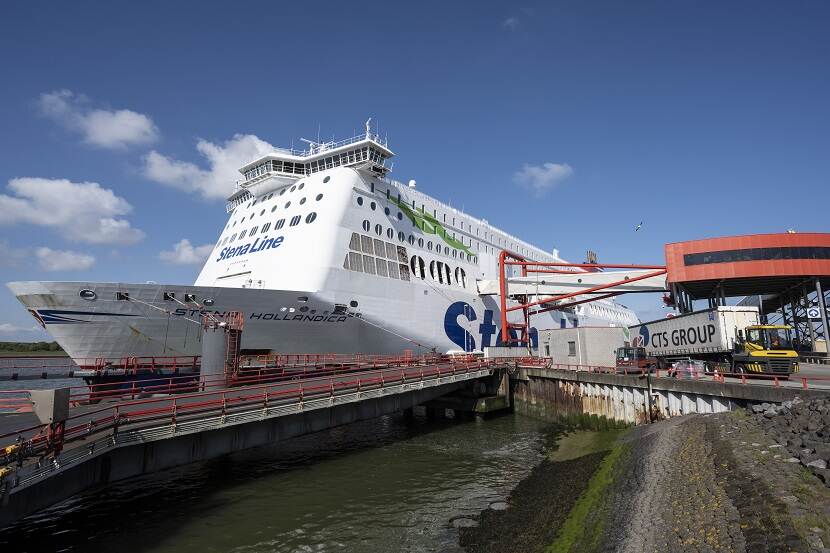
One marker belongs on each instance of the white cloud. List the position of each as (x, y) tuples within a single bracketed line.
[(81, 212), (63, 260), (223, 160), (185, 253), (103, 128), (8, 327), (511, 23), (541, 178)]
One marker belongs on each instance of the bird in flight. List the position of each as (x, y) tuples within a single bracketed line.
[(638, 226)]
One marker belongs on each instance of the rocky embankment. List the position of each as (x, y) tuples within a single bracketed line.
[(736, 482), (803, 428)]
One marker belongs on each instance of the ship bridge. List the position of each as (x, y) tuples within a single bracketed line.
[(284, 166)]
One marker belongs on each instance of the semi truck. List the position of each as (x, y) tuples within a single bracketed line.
[(729, 339)]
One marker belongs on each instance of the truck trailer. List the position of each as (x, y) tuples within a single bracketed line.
[(729, 339)]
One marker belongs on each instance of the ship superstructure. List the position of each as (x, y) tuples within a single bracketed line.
[(322, 252)]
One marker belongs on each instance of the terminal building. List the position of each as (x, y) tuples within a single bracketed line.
[(787, 276)]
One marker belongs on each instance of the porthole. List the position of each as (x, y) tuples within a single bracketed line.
[(373, 205), (366, 225), (327, 179), (273, 209), (400, 216), (303, 309), (379, 230), (386, 210), (360, 200), (261, 213), (295, 220), (234, 223), (319, 197), (293, 188), (302, 184), (208, 302), (353, 303), (87, 294), (287, 205), (310, 217), (254, 203), (282, 191)]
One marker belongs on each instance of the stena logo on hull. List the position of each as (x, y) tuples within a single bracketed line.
[(488, 330), (257, 246)]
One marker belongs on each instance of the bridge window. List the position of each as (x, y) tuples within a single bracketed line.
[(242, 234), (393, 269), (310, 217), (295, 220), (460, 277), (391, 251), (379, 230), (401, 236), (417, 266), (369, 264), (367, 225), (366, 244), (319, 197), (381, 267), (380, 250), (253, 230), (279, 224), (390, 233), (355, 262), (265, 227), (435, 274)]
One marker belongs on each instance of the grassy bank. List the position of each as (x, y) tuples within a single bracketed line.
[(584, 528)]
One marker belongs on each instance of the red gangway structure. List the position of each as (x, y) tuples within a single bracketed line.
[(536, 294)]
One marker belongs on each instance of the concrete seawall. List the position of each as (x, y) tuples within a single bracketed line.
[(555, 394)]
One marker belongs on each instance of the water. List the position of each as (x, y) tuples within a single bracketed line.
[(387, 484)]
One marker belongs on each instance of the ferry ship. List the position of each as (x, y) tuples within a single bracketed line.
[(322, 252)]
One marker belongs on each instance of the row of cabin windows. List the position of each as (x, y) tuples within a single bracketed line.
[(499, 241), (439, 271), (402, 237), (294, 221), (296, 187)]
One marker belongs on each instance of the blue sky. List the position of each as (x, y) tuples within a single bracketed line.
[(565, 123)]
